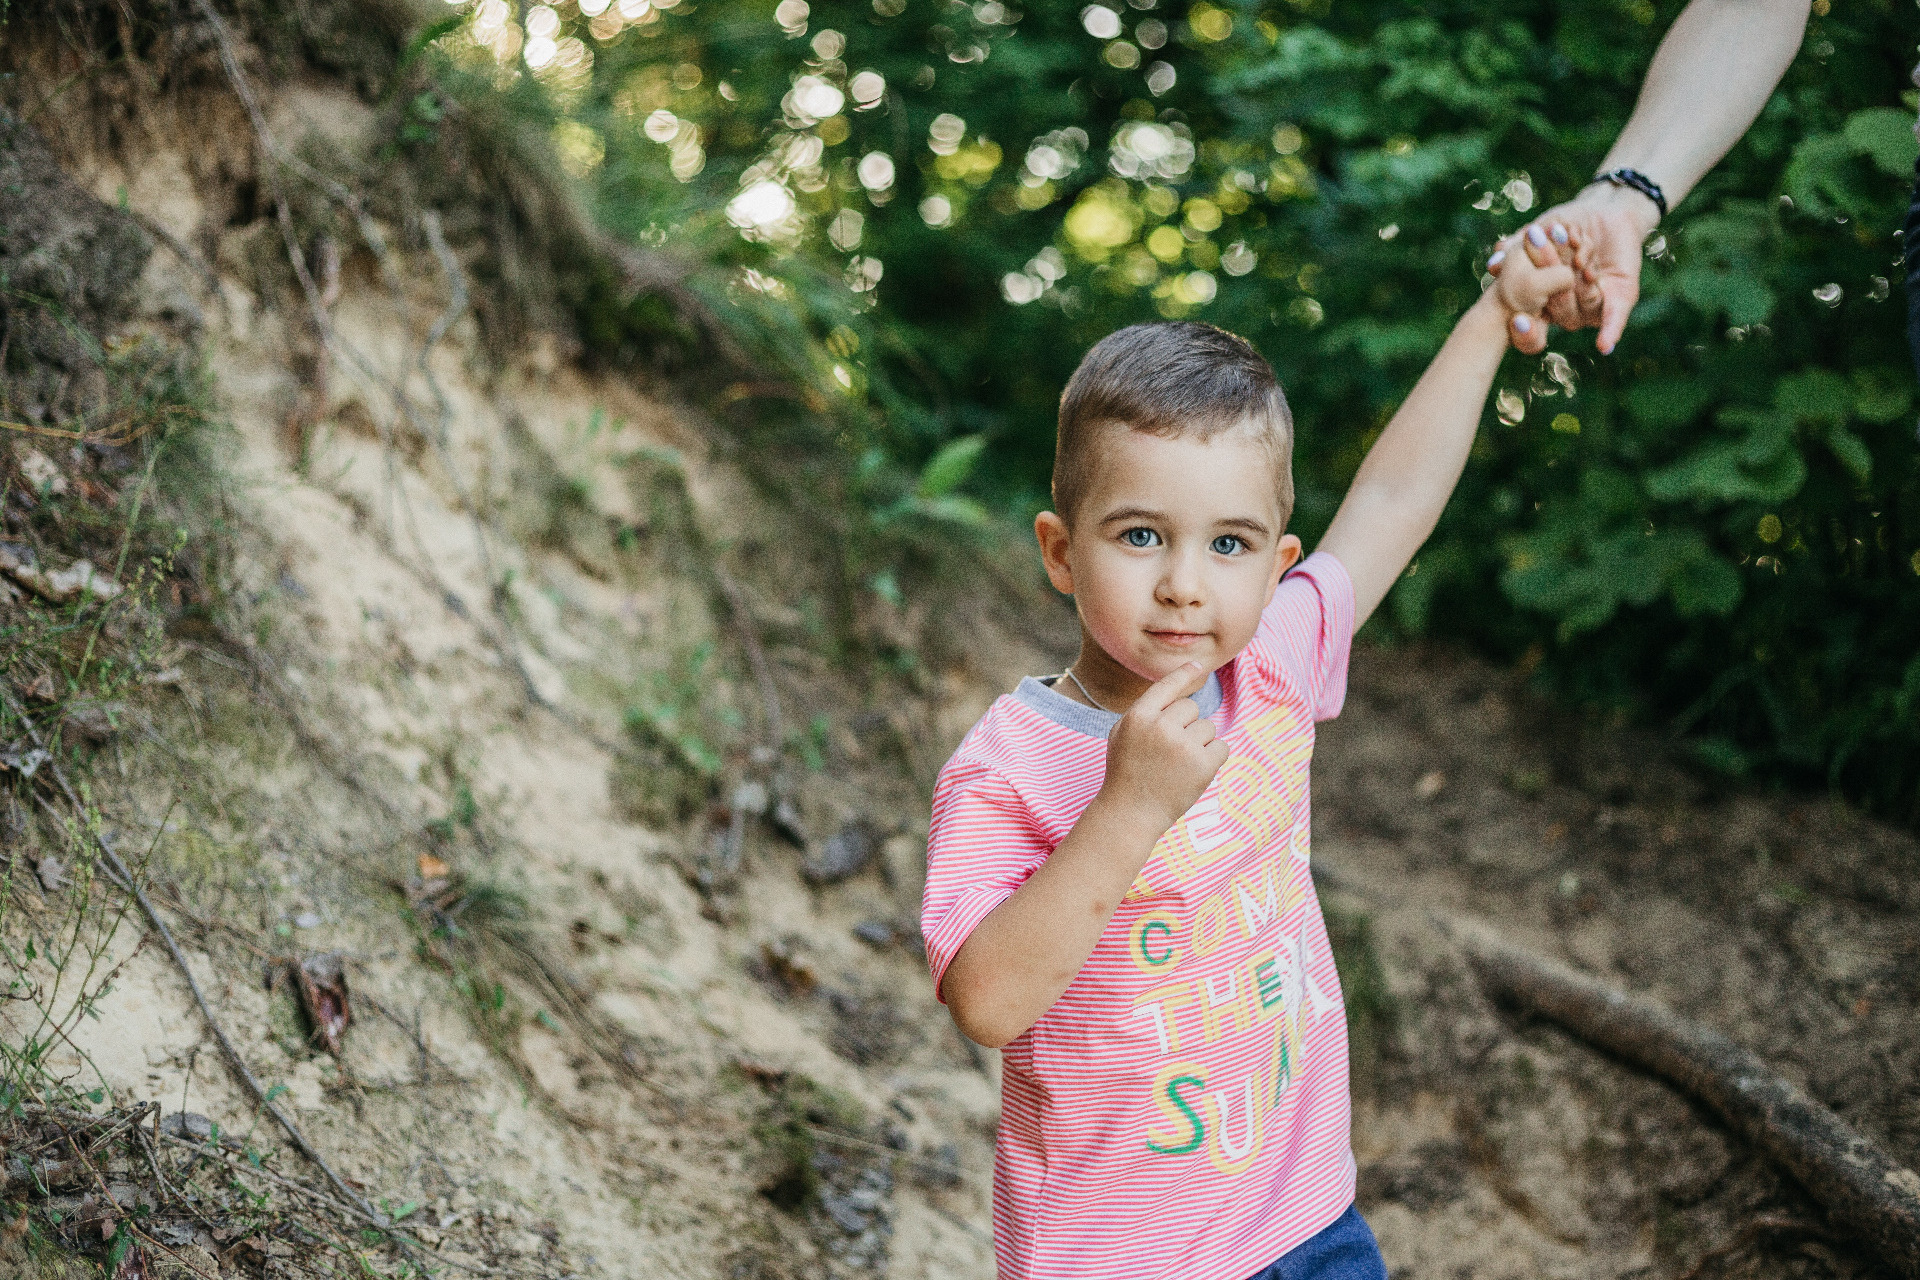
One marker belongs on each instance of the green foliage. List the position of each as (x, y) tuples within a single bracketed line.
[(924, 210)]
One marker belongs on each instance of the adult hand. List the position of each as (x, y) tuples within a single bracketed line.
[(1605, 226)]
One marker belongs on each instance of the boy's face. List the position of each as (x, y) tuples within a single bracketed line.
[(1175, 550)]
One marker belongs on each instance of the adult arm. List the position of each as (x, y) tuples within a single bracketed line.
[(1714, 70)]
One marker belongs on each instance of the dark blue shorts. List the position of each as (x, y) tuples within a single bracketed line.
[(1343, 1251)]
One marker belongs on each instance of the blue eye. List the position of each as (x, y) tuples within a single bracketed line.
[(1226, 544), (1140, 538)]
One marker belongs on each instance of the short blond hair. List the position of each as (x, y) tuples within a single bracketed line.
[(1173, 378)]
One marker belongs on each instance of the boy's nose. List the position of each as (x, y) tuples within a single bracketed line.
[(1182, 585)]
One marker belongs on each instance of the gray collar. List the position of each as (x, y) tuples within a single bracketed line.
[(1092, 721)]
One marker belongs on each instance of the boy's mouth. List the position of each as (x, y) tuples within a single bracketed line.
[(1177, 638)]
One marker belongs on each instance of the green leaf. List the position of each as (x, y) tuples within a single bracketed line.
[(1852, 452), (1703, 583), (427, 35), (948, 469), (1814, 395), (1879, 398), (1886, 135), (1668, 402), (961, 511), (1737, 295), (1722, 756), (1722, 471), (1816, 179)]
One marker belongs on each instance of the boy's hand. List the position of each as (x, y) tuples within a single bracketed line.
[(1532, 268), (1029, 949), (1162, 754)]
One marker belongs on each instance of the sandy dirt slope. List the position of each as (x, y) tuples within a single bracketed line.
[(647, 1054), (631, 1097)]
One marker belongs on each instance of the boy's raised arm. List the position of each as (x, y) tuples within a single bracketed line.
[(1410, 472)]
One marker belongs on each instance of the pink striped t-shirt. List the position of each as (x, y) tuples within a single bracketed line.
[(1182, 1112)]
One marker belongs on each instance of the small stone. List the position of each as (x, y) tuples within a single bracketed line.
[(844, 854), (845, 1213), (92, 721), (940, 1167), (306, 920), (52, 873), (187, 1124), (24, 763), (877, 934), (782, 964), (750, 797), (40, 471), (785, 817), (78, 577)]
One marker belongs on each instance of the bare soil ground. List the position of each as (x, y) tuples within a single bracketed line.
[(636, 999)]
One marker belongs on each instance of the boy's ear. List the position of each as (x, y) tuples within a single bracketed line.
[(1051, 532), (1289, 555)]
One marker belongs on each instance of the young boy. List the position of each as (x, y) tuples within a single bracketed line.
[(1117, 886)]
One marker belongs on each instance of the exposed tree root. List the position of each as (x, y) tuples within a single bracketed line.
[(1862, 1189), (1748, 1234)]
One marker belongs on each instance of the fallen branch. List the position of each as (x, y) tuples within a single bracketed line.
[(1863, 1189)]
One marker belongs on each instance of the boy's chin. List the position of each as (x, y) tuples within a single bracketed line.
[(1159, 666)]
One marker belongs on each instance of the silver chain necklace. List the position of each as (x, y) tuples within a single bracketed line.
[(1083, 692)]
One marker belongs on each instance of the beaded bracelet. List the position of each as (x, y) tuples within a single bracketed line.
[(1637, 181)]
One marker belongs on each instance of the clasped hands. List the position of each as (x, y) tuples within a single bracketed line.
[(1598, 234)]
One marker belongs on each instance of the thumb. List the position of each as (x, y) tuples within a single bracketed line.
[(1183, 680), (1616, 304), (1528, 333)]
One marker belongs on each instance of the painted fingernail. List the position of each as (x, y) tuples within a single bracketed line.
[(1522, 325), (1499, 256), (1559, 234), (1536, 237)]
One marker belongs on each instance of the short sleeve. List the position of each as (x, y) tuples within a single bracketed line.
[(1306, 633), (982, 845)]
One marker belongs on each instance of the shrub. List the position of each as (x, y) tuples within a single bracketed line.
[(1718, 524)]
